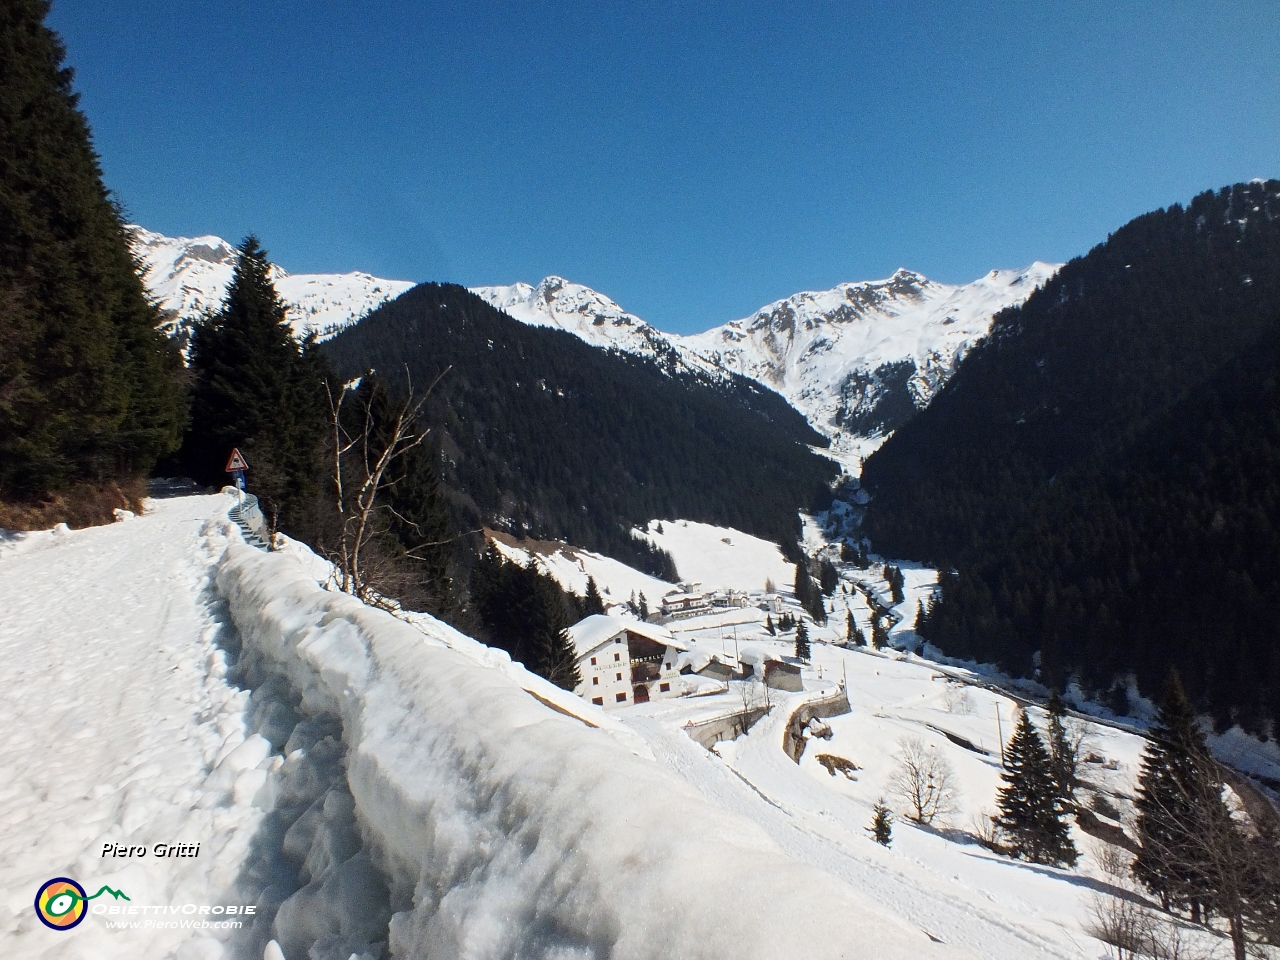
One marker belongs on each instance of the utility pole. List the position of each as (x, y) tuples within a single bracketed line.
[(1000, 733)]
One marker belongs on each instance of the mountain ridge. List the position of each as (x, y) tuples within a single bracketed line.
[(188, 276), (857, 360)]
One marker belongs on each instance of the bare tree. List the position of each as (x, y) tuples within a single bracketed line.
[(362, 459), (749, 694), (1124, 922), (923, 780), (1233, 863)]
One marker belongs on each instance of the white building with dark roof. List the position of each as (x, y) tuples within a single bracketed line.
[(624, 661)]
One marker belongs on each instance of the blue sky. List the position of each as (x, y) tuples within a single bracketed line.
[(693, 161)]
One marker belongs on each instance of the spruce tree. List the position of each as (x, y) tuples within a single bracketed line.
[(802, 642), (1062, 754), (768, 625), (879, 633), (828, 578), (1031, 813), (808, 594), (644, 607), (592, 603), (89, 389), (881, 823), (557, 660), (1179, 795), (523, 612), (257, 389)]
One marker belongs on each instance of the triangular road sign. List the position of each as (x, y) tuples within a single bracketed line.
[(236, 462)]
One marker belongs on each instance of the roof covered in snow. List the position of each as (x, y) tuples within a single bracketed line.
[(591, 632)]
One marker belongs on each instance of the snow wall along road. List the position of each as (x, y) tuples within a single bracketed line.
[(507, 830)]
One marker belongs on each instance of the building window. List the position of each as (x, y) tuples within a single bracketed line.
[(617, 656), (664, 687), (617, 640), (619, 676), (666, 666), (598, 701), (593, 661), (622, 698), (595, 681)]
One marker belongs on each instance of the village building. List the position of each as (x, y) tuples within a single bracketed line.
[(687, 601), (623, 661)]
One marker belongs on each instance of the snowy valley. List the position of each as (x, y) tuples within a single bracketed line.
[(367, 783), (372, 785)]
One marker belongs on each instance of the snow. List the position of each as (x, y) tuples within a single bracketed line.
[(377, 786), (807, 346), (937, 878), (189, 276), (720, 557), (510, 830), (120, 727), (590, 632), (571, 566)]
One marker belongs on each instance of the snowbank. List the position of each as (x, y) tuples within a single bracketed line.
[(507, 829)]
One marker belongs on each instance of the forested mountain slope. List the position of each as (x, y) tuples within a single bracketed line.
[(1102, 470), (544, 435)]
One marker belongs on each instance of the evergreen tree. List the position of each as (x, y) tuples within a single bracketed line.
[(853, 632), (644, 607), (1179, 794), (897, 584), (1062, 753), (879, 633), (828, 578), (768, 625), (1031, 813), (881, 823), (557, 660), (593, 603), (802, 642), (524, 612), (257, 389), (89, 389), (808, 595)]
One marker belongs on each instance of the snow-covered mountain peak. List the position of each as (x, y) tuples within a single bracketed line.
[(859, 358), (189, 276), (556, 302), (856, 359)]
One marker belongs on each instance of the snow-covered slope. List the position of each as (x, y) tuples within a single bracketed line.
[(855, 359), (190, 275), (556, 302)]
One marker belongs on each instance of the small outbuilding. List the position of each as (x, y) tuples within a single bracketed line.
[(781, 675)]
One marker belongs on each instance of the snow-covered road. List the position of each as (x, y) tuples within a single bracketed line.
[(113, 712)]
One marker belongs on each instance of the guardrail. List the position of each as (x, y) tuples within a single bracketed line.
[(248, 516)]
